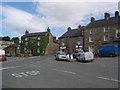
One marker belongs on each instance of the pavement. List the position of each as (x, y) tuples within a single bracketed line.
[(45, 72)]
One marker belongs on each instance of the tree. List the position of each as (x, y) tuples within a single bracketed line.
[(15, 39), (6, 38)]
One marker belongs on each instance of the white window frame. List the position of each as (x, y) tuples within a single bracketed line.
[(38, 43), (91, 39), (25, 49), (105, 37), (38, 50), (117, 31), (91, 31), (106, 29), (26, 39), (38, 38), (90, 49), (26, 43)]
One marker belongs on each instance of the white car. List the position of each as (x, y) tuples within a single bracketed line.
[(85, 56), (61, 56)]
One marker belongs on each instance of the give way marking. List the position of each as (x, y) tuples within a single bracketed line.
[(25, 74), (109, 79)]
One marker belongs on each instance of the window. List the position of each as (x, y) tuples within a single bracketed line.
[(26, 39), (106, 29), (38, 43), (118, 33), (38, 38), (91, 31), (106, 37), (91, 39), (91, 49), (24, 49), (38, 50), (26, 43)]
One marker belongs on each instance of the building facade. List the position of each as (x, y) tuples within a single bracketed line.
[(40, 43), (4, 44), (102, 32), (71, 38), (13, 50)]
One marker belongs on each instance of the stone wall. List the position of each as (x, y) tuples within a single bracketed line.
[(52, 47)]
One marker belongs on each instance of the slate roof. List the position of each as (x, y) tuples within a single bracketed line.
[(104, 22), (35, 34), (72, 33)]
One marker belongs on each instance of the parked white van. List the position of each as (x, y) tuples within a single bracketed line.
[(85, 56), (2, 55)]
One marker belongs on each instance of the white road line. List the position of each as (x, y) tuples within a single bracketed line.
[(14, 60), (64, 71), (19, 66), (68, 72), (11, 67), (34, 65), (108, 79)]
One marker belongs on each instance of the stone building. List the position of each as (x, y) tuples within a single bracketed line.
[(71, 38), (102, 32), (13, 50), (39, 43)]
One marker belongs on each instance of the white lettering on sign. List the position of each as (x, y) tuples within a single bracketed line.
[(25, 74)]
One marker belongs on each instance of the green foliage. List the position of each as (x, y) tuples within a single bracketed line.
[(15, 39), (6, 38), (33, 44)]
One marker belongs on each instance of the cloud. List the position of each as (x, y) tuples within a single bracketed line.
[(53, 14), (17, 21), (69, 13)]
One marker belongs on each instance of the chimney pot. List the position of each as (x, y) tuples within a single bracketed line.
[(107, 15), (116, 13), (69, 28), (92, 19), (48, 29)]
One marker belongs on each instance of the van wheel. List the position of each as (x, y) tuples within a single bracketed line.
[(111, 55), (92, 60)]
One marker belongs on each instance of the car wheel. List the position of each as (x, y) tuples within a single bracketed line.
[(57, 59), (66, 60), (77, 59), (83, 60)]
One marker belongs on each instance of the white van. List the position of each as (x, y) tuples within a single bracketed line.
[(85, 56), (2, 52), (2, 55)]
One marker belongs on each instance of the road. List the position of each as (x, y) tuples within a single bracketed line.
[(45, 72)]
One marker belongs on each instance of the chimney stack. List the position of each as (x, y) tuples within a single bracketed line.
[(26, 32), (92, 19), (79, 27), (69, 28), (107, 16), (116, 13), (48, 29)]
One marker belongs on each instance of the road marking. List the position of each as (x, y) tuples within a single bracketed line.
[(68, 72), (19, 66), (12, 67), (25, 74), (14, 60), (34, 65), (108, 79), (64, 71)]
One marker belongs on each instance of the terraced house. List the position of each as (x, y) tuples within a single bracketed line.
[(102, 32), (39, 43), (71, 38)]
